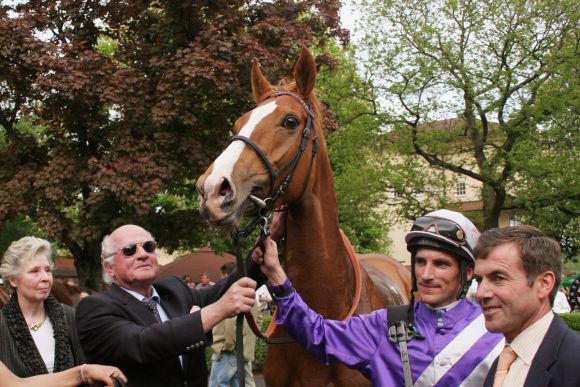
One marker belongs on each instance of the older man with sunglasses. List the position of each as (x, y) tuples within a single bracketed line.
[(156, 332), (443, 333)]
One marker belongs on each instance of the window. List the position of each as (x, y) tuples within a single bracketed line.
[(513, 221), (460, 188)]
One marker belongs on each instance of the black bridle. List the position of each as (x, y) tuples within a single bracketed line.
[(260, 220), (293, 163)]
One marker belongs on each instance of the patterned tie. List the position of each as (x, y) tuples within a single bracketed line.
[(151, 304), (506, 358)]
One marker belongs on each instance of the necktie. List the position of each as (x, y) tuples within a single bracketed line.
[(151, 304), (506, 358)]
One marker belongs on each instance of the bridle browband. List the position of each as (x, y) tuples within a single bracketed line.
[(292, 164)]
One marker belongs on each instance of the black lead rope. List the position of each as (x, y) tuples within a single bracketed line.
[(240, 317), (262, 223)]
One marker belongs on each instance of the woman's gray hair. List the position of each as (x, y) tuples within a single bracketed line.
[(107, 254), (20, 253)]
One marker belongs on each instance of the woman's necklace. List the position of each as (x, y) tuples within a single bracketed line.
[(36, 326)]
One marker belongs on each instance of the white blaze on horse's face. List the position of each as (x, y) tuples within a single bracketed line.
[(224, 165)]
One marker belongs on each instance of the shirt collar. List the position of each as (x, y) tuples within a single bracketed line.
[(526, 344), (444, 308), (140, 297)]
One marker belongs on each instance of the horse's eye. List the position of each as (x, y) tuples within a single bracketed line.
[(290, 122)]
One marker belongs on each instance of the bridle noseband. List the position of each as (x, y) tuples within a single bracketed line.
[(292, 164)]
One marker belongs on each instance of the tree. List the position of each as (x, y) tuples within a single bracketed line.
[(15, 229), (353, 135), (130, 101), (486, 63), (547, 188)]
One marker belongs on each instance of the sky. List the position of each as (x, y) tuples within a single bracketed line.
[(348, 17)]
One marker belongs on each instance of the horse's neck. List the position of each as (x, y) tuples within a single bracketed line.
[(316, 259)]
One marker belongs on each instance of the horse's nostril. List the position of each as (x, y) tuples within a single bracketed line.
[(225, 188)]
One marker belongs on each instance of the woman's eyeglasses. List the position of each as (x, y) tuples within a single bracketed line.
[(131, 249), (443, 227)]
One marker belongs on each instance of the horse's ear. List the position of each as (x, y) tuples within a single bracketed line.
[(305, 73), (260, 85)]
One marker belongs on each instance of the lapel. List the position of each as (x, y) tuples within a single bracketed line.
[(168, 302), (547, 354), (135, 307)]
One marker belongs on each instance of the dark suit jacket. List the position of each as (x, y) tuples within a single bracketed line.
[(117, 329), (555, 363)]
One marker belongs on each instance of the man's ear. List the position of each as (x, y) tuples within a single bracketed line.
[(109, 268), (470, 271), (545, 283)]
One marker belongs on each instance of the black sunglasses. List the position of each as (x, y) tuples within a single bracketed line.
[(443, 227), (130, 249)]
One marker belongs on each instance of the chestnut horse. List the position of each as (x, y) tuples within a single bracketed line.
[(280, 153)]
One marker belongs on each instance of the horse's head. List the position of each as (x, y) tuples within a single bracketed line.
[(271, 155)]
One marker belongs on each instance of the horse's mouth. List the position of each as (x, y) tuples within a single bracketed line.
[(227, 216), (229, 221)]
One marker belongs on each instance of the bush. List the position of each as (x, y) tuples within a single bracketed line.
[(261, 346), (572, 319)]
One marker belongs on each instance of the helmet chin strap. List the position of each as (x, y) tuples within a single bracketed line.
[(465, 283)]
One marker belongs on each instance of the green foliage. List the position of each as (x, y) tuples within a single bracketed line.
[(486, 91), (572, 319), (352, 150), (131, 102), (547, 188), (15, 229), (260, 354), (573, 265)]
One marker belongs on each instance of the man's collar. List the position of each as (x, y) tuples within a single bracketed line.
[(140, 297), (444, 308)]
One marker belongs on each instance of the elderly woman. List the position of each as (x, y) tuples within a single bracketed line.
[(37, 333)]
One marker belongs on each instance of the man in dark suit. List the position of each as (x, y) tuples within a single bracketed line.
[(518, 270), (155, 332)]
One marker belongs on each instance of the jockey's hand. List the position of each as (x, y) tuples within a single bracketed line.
[(276, 232), (269, 262)]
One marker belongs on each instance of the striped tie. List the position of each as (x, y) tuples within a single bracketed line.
[(151, 304)]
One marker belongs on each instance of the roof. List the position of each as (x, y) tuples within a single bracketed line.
[(64, 267), (195, 264)]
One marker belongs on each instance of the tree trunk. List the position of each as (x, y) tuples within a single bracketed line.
[(88, 265), (493, 202)]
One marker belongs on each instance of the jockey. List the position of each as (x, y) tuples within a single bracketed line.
[(440, 340)]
